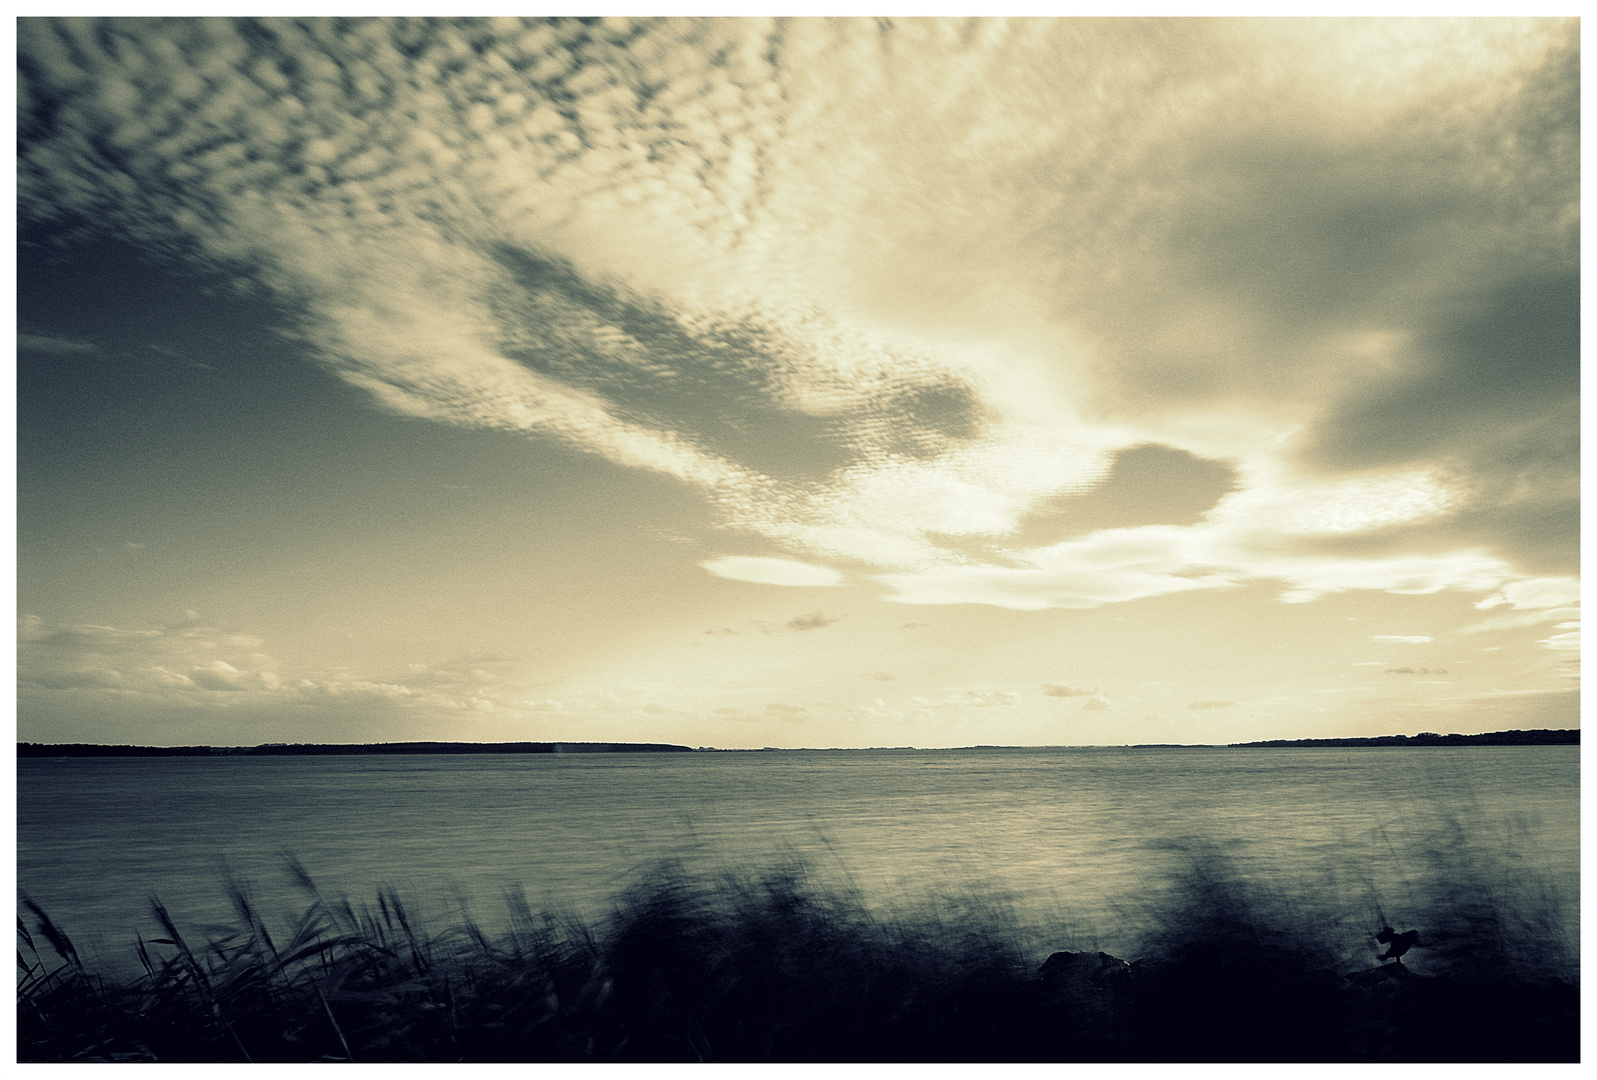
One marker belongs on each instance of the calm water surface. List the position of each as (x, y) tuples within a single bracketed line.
[(1078, 843)]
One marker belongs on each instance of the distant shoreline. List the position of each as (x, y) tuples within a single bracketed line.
[(335, 749), (1538, 737)]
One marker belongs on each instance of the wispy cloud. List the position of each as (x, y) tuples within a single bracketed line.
[(58, 346), (1206, 706), (1535, 594), (1569, 642), (767, 571)]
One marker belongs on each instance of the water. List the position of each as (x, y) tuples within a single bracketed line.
[(1077, 844)]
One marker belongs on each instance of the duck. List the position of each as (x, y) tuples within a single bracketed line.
[(1396, 944)]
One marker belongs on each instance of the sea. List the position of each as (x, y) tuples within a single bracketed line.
[(1068, 848)]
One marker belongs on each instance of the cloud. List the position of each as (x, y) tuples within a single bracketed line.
[(1119, 565), (1569, 642), (766, 571), (1146, 485), (792, 713), (1400, 639), (1416, 671), (1095, 704), (986, 309), (1204, 706), (986, 699), (1054, 690), (1537, 593), (220, 675), (1514, 619), (54, 345), (815, 620), (1108, 567), (195, 664)]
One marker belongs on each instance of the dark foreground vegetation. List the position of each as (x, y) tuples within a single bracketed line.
[(773, 969)]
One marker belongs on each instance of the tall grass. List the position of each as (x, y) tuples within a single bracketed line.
[(775, 968)]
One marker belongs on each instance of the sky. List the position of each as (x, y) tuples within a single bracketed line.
[(824, 382)]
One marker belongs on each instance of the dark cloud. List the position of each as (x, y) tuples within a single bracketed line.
[(1053, 690), (714, 381), (1493, 362), (77, 679), (1530, 519), (1490, 393), (1202, 706), (1276, 237), (815, 620), (1146, 485), (1494, 403), (1283, 251)]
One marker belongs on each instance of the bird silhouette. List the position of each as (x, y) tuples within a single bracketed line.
[(1396, 944)]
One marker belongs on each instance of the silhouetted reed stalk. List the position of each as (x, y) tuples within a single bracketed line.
[(776, 968)]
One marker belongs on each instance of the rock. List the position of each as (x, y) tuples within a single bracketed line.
[(1094, 969), (1379, 976)]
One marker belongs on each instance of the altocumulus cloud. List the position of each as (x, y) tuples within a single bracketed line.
[(794, 713), (794, 264), (815, 620), (986, 699), (197, 664)]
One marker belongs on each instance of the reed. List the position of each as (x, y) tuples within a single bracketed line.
[(773, 967)]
